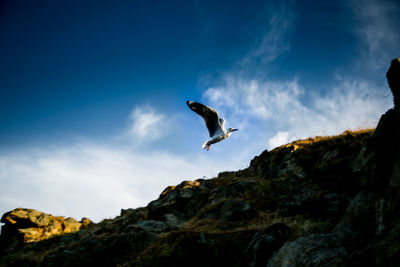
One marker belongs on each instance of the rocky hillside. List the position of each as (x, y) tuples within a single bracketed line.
[(324, 201)]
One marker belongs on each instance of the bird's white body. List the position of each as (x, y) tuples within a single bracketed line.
[(216, 138)]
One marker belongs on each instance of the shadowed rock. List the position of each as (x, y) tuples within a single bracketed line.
[(393, 77), (264, 244), (365, 234)]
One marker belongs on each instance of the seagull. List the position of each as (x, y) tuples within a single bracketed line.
[(214, 123)]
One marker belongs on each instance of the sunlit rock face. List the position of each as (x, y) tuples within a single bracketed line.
[(29, 225), (323, 201)]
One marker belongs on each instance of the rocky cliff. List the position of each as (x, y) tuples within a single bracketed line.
[(324, 201)]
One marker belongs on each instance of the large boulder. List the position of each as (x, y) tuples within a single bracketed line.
[(29, 225)]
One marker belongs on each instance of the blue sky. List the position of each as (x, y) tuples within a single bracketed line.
[(92, 93)]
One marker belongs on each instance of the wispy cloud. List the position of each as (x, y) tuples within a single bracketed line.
[(146, 125), (275, 38), (377, 27), (261, 99)]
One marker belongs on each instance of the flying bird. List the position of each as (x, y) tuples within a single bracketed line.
[(214, 123)]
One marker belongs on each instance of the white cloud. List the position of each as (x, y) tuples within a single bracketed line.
[(352, 104), (147, 125), (93, 180), (279, 139)]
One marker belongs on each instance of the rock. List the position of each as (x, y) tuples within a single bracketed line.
[(230, 210), (279, 163), (173, 221), (333, 204), (393, 77), (71, 225), (132, 216), (383, 252), (230, 190), (153, 226), (264, 244), (29, 225), (184, 201), (195, 249), (86, 223), (299, 202), (101, 250), (314, 250), (260, 164), (316, 203)]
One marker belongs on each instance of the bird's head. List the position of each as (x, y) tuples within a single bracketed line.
[(232, 130)]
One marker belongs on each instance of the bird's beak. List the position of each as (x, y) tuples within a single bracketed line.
[(234, 130)]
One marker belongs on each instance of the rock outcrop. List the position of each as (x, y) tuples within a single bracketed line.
[(29, 225), (324, 201), (393, 77)]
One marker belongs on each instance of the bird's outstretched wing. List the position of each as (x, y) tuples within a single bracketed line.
[(209, 115), (222, 122)]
